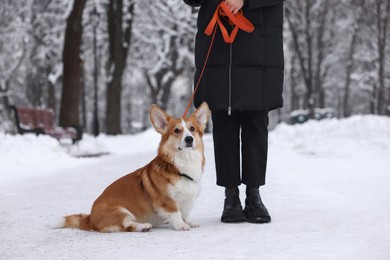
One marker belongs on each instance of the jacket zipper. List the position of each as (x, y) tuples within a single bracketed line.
[(230, 80)]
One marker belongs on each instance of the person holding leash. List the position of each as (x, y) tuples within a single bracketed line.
[(241, 83)]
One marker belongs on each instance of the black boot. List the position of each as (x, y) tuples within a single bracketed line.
[(255, 211), (232, 209)]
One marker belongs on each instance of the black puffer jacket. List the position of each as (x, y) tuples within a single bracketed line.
[(248, 74)]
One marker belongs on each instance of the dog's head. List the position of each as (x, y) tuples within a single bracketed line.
[(180, 134)]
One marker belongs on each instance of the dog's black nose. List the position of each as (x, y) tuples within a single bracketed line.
[(189, 139)]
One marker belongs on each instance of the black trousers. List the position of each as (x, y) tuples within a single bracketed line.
[(251, 126)]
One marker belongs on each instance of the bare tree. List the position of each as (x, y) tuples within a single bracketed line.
[(70, 102), (374, 40), (13, 51), (160, 81), (13, 43), (120, 19), (356, 24), (167, 51), (382, 24), (45, 31), (311, 29)]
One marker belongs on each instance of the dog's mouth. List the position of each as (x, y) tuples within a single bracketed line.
[(186, 147)]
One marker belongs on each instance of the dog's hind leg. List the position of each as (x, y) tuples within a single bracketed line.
[(129, 222), (117, 219)]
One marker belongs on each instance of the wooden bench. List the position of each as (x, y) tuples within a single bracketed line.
[(41, 121)]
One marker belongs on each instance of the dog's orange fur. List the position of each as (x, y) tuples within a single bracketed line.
[(144, 195)]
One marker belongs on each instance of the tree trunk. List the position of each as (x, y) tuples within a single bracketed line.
[(95, 118), (351, 51), (83, 104), (51, 98), (309, 41), (373, 100), (119, 42), (305, 59), (160, 89), (321, 45), (69, 111), (382, 25), (294, 97), (166, 92)]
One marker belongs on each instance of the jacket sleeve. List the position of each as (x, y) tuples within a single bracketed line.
[(193, 2), (252, 4)]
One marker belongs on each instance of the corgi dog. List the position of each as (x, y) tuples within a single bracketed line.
[(163, 190)]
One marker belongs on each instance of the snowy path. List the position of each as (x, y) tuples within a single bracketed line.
[(324, 205)]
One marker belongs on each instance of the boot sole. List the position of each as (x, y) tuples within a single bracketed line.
[(259, 220), (233, 220)]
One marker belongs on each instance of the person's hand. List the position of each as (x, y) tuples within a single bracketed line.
[(234, 5)]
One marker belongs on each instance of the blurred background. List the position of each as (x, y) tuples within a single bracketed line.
[(99, 64)]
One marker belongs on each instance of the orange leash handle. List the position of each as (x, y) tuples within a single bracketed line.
[(239, 22)]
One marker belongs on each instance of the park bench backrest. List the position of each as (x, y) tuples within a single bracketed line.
[(31, 118)]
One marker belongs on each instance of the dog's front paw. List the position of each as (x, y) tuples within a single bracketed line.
[(192, 224), (143, 227), (181, 227)]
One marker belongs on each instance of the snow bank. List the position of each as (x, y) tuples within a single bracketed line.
[(103, 144), (22, 155), (130, 144), (25, 156), (19, 154), (334, 135)]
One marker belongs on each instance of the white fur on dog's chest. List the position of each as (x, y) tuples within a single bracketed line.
[(189, 163), (184, 190)]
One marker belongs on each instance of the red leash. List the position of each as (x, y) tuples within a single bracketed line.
[(239, 22)]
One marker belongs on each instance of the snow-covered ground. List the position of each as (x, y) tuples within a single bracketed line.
[(328, 191)]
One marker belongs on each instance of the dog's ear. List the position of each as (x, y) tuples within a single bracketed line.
[(202, 115), (159, 118)]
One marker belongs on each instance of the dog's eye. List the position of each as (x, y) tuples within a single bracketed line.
[(192, 129), (177, 130)]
